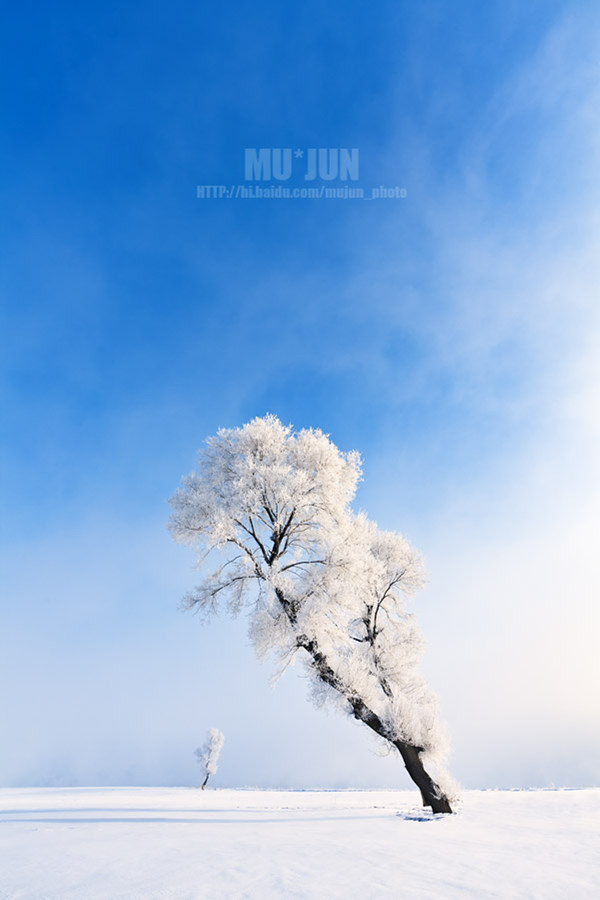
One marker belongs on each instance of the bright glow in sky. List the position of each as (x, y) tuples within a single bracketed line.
[(452, 337)]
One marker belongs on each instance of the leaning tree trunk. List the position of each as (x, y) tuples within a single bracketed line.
[(431, 793)]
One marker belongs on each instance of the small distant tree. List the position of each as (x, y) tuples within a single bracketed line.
[(272, 508), (208, 755)]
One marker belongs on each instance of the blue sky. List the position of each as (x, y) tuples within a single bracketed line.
[(450, 336)]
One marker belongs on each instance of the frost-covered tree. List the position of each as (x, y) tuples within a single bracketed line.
[(208, 755), (271, 508)]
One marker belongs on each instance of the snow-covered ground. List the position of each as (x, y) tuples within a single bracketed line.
[(129, 843)]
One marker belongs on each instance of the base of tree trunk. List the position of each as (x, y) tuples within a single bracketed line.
[(431, 793)]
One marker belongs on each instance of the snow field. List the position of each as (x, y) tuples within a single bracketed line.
[(185, 844)]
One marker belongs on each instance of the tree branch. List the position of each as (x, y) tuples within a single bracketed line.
[(303, 562)]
